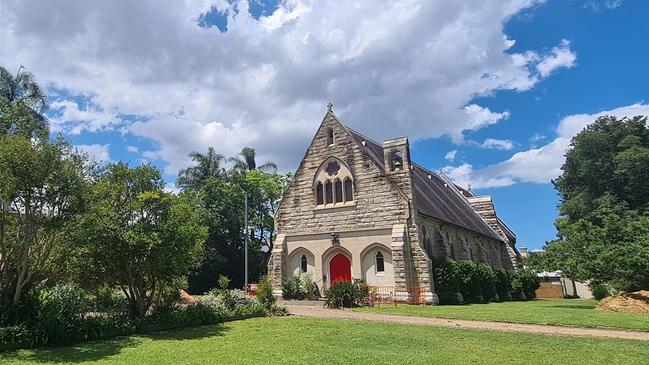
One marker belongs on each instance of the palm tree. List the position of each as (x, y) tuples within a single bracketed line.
[(21, 104), (245, 161), (22, 87), (206, 166)]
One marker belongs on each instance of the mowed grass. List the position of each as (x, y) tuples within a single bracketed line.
[(561, 312), (291, 340)]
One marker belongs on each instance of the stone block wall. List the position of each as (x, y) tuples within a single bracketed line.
[(484, 206)]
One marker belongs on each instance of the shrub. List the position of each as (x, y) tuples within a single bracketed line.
[(168, 293), (292, 288), (447, 283), (62, 316), (265, 293), (14, 335), (232, 303), (107, 299), (529, 281), (309, 287), (469, 281), (487, 279), (502, 284), (516, 285), (346, 294), (600, 291), (298, 287), (223, 282), (60, 313), (279, 310), (192, 315)]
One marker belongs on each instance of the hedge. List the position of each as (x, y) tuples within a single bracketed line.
[(458, 282)]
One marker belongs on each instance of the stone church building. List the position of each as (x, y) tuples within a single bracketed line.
[(358, 209)]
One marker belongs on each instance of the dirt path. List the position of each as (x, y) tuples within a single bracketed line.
[(320, 312)]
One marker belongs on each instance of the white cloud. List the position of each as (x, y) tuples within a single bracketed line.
[(72, 119), (97, 152), (450, 155), (537, 137), (537, 165), (560, 56), (406, 67), (599, 5), (132, 149), (498, 144)]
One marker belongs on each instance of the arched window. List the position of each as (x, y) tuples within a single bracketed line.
[(330, 136), (333, 184), (319, 194), (380, 263), (329, 194), (397, 160), (349, 190), (338, 191), (303, 264)]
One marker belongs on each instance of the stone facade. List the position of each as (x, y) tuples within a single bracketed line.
[(376, 226)]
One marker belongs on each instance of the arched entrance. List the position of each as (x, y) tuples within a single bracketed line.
[(340, 269)]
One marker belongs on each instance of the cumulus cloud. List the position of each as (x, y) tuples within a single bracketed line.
[(559, 57), (497, 144), (537, 165), (132, 149), (97, 152), (450, 155), (536, 137), (69, 117), (146, 68)]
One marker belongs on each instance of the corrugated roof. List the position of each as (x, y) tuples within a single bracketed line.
[(433, 196)]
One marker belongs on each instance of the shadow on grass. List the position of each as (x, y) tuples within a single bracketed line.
[(189, 333), (99, 349)]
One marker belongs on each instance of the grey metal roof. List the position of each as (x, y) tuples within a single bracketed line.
[(437, 198), (434, 197)]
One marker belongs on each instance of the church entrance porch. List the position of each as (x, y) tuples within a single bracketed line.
[(340, 269)]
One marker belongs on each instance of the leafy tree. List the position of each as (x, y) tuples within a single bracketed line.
[(42, 188), (610, 157), (136, 236), (602, 230), (221, 197)]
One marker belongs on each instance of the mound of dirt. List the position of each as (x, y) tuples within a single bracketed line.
[(636, 302), (186, 298)]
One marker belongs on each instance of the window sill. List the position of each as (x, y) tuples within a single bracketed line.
[(336, 205)]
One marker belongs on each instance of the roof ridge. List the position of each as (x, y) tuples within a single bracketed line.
[(364, 136)]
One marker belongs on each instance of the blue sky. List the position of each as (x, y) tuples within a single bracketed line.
[(490, 92)]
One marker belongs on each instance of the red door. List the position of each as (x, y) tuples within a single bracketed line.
[(340, 269)]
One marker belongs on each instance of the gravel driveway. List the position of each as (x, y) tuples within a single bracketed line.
[(320, 312)]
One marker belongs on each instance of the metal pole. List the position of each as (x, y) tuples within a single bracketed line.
[(245, 230)]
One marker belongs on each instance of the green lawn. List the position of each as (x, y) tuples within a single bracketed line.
[(291, 340), (555, 311)]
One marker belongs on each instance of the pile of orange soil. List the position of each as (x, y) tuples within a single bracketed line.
[(186, 298), (636, 302)]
